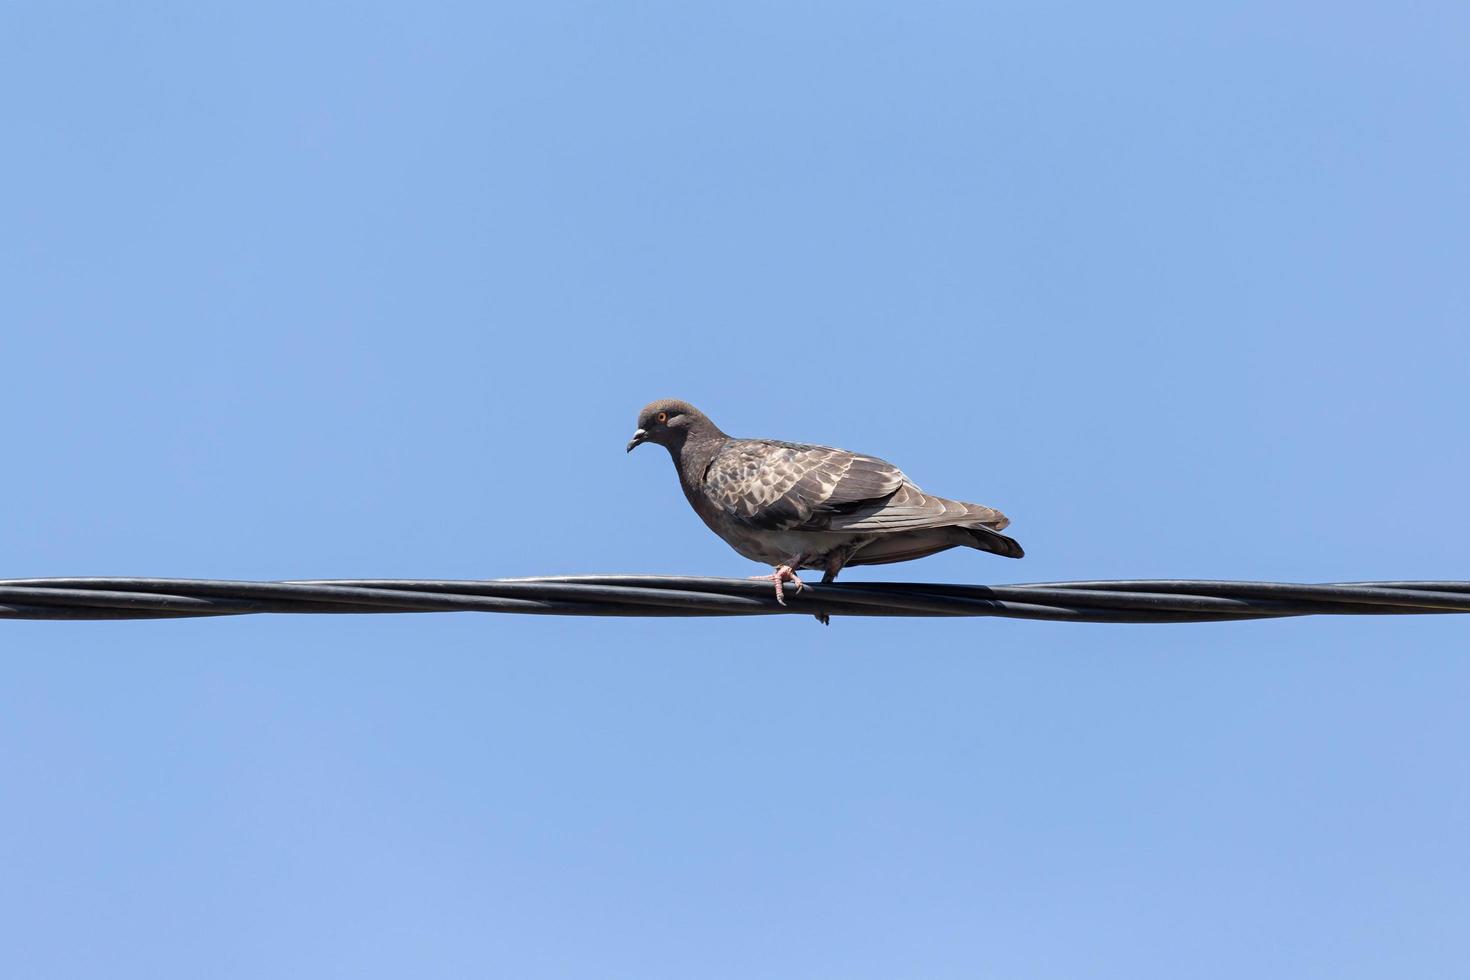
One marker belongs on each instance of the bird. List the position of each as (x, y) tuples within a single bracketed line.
[(794, 506)]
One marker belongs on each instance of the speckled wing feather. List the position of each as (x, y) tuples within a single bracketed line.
[(785, 486)]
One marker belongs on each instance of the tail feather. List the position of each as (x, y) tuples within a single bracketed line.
[(995, 542)]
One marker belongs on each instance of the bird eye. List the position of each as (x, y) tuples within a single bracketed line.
[(663, 416)]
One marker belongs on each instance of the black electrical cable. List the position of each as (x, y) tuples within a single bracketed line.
[(1138, 601)]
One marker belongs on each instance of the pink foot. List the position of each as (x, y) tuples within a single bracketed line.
[(784, 573)]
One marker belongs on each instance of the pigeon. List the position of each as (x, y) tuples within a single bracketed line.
[(794, 506)]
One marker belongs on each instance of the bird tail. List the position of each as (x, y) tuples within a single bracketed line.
[(994, 542)]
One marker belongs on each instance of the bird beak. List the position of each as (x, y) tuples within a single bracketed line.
[(638, 439)]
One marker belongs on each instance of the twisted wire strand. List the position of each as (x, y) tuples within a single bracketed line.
[(1129, 601)]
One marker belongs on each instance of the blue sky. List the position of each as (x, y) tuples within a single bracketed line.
[(332, 290)]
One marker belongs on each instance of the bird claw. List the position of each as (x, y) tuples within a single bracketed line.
[(785, 573)]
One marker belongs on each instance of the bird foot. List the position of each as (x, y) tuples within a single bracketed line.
[(784, 573)]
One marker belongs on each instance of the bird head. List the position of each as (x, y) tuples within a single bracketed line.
[(666, 422)]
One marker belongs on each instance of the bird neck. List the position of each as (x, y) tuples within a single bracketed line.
[(693, 454)]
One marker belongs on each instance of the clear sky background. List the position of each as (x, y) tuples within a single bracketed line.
[(346, 290)]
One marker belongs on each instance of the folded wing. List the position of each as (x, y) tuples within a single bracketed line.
[(786, 486)]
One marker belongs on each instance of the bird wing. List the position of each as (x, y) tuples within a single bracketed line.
[(910, 509), (785, 486)]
